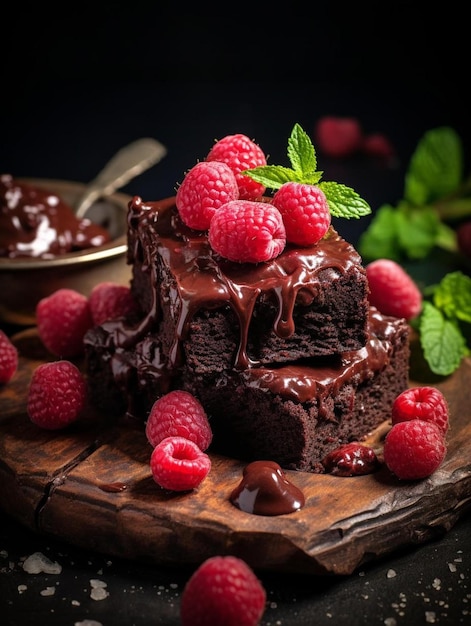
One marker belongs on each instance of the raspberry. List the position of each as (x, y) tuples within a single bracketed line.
[(179, 414), (378, 145), (109, 301), (392, 290), (240, 153), (177, 464), (463, 238), (338, 136), (414, 449), (8, 359), (56, 395), (247, 231), (305, 212), (204, 189), (423, 403), (351, 459), (223, 590), (63, 318)]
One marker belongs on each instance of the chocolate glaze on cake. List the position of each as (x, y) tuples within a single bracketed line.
[(37, 223), (286, 356)]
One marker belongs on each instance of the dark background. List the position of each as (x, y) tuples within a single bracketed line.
[(81, 80)]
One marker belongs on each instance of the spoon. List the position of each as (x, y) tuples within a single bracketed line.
[(125, 165)]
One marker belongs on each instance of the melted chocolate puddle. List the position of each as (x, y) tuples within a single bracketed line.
[(265, 490)]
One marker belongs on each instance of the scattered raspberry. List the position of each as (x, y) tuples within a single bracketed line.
[(463, 237), (179, 414), (378, 145), (240, 153), (423, 403), (178, 464), (63, 318), (351, 459), (223, 590), (392, 290), (338, 136), (109, 301), (414, 449), (8, 359), (246, 231), (205, 188), (305, 212), (56, 395)]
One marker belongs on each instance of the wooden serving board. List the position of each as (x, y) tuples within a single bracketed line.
[(91, 486)]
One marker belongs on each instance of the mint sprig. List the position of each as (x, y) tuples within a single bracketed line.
[(342, 200), (436, 197)]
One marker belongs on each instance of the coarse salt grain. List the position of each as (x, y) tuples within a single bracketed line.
[(48, 591), (98, 591), (38, 563)]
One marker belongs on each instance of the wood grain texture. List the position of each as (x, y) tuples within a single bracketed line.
[(91, 486)]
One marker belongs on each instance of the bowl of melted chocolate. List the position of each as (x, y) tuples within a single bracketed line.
[(45, 247)]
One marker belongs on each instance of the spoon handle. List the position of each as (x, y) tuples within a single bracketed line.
[(125, 165)]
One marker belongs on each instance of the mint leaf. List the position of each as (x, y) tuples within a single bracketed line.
[(417, 231), (344, 201), (446, 238), (273, 176), (453, 296), (380, 240), (436, 167), (301, 153), (442, 343)]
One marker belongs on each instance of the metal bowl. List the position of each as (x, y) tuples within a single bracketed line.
[(23, 282)]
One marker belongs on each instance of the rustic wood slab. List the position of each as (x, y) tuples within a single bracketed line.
[(91, 486)]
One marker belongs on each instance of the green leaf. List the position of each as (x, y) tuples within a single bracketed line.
[(344, 201), (380, 239), (271, 176), (417, 230), (301, 153), (453, 296), (442, 343), (436, 167), (446, 238)]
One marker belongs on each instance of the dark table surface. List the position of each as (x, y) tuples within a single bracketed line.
[(76, 97)]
